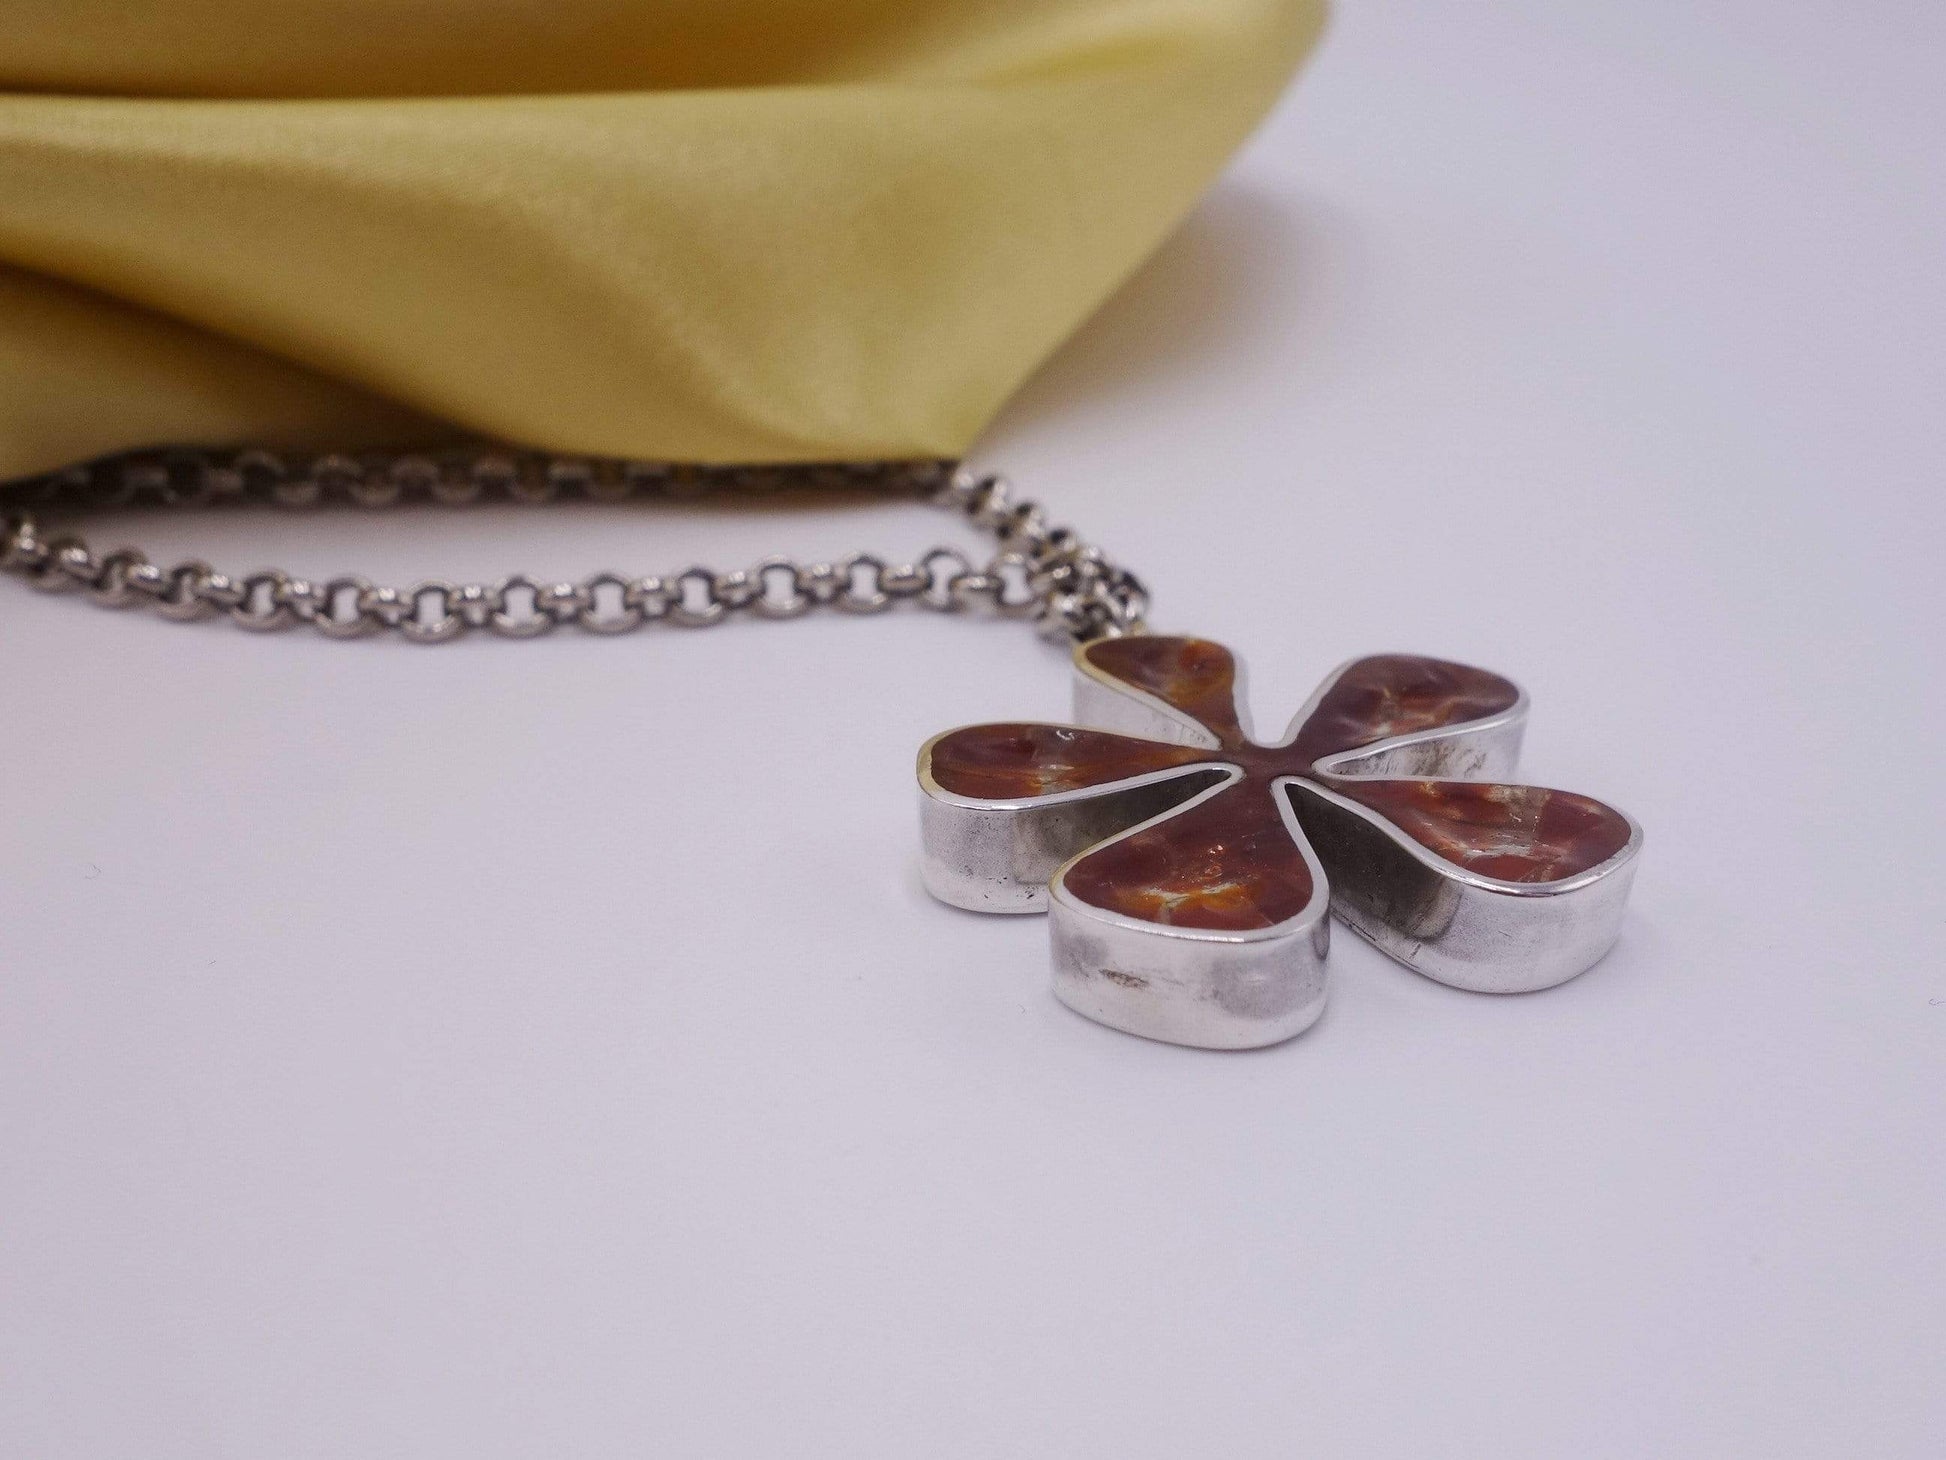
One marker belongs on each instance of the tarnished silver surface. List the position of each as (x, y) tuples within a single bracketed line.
[(1046, 574)]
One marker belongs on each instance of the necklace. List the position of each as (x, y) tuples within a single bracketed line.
[(1187, 867)]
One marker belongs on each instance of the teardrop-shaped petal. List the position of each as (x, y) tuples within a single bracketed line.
[(1229, 863), (1390, 695), (1484, 886), (1510, 833), (1001, 807), (1191, 683), (1014, 762), (1206, 925)]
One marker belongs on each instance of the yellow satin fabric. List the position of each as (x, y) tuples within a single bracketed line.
[(706, 230)]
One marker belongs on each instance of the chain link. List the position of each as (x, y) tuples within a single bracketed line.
[(1048, 575)]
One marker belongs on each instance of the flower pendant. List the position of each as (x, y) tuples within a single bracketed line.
[(1188, 868)]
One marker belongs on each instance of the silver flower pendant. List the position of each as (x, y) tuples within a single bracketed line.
[(1188, 868)]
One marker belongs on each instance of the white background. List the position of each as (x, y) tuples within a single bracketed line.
[(548, 1050)]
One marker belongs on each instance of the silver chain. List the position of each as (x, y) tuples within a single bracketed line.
[(1048, 575)]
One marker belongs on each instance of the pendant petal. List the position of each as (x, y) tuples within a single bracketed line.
[(1016, 762), (1229, 863), (1389, 696), (1510, 833), (1001, 807), (1206, 926), (1177, 689), (1480, 885)]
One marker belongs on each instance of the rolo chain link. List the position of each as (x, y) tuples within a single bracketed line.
[(1045, 574)]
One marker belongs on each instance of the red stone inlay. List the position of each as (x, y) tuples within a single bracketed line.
[(1399, 694), (1514, 833), (1229, 864), (1014, 762), (1193, 675)]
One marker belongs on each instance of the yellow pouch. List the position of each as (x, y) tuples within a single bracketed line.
[(700, 230)]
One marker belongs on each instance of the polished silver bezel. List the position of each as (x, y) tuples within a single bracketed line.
[(1484, 749), (1211, 988), (1484, 934), (1001, 856), (1232, 990), (1105, 703)]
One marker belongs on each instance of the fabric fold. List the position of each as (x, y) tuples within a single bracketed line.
[(675, 229)]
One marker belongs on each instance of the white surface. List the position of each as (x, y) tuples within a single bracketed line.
[(548, 1049)]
